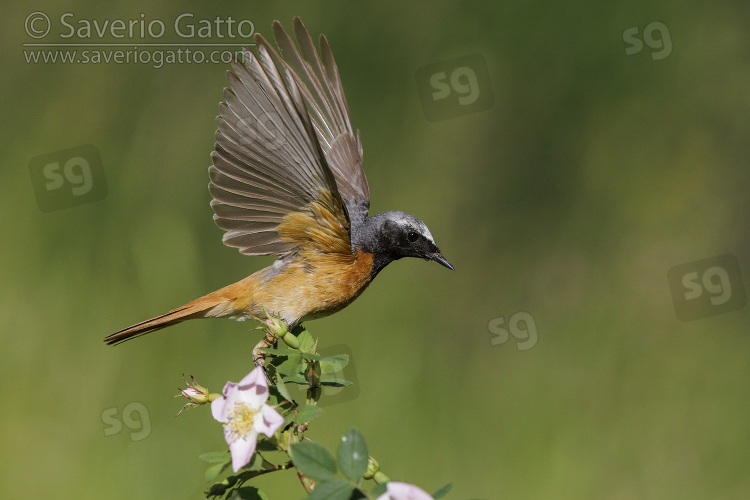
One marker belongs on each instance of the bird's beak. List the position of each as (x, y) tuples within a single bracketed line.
[(438, 257)]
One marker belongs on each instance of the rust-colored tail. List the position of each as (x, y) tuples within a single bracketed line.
[(191, 310)]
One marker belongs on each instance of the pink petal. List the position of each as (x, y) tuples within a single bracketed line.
[(220, 406), (241, 450), (229, 387), (219, 409), (404, 491), (254, 388), (270, 421)]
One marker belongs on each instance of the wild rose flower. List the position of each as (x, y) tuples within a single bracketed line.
[(403, 491), (244, 412)]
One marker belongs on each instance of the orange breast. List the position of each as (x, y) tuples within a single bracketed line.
[(316, 284), (324, 277)]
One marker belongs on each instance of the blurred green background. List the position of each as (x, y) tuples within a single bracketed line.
[(592, 174)]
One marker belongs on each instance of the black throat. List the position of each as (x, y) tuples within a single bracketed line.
[(372, 237)]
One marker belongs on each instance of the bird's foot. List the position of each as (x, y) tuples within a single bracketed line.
[(259, 357)]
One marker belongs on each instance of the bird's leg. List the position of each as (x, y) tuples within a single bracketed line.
[(259, 357), (276, 329)]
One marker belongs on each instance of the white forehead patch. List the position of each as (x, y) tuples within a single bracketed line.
[(409, 221)]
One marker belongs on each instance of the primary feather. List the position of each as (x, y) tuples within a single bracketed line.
[(284, 136)]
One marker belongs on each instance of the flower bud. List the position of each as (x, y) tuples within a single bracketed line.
[(279, 329), (372, 468), (290, 340), (313, 373), (380, 478), (276, 327), (196, 394)]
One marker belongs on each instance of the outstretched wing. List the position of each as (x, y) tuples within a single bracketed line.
[(271, 165), (321, 88)]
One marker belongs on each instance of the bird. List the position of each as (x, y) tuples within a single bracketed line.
[(287, 179)]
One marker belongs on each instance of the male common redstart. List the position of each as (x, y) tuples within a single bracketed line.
[(287, 179)]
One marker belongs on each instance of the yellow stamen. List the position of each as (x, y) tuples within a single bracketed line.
[(241, 419)]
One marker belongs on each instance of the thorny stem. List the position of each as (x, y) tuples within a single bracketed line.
[(259, 358), (247, 475), (288, 438)]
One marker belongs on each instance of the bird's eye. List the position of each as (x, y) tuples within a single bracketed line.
[(412, 236)]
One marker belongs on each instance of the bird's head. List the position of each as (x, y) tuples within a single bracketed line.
[(392, 235)]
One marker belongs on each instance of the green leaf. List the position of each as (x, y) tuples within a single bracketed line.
[(334, 364), (248, 493), (279, 352), (218, 489), (273, 396), (352, 454), (216, 456), (313, 460), (255, 464), (379, 490), (336, 489), (306, 342), (336, 382), (311, 356), (297, 378), (235, 481), (214, 471), (288, 419), (290, 366), (442, 491), (358, 494), (307, 413), (266, 445), (283, 391)]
